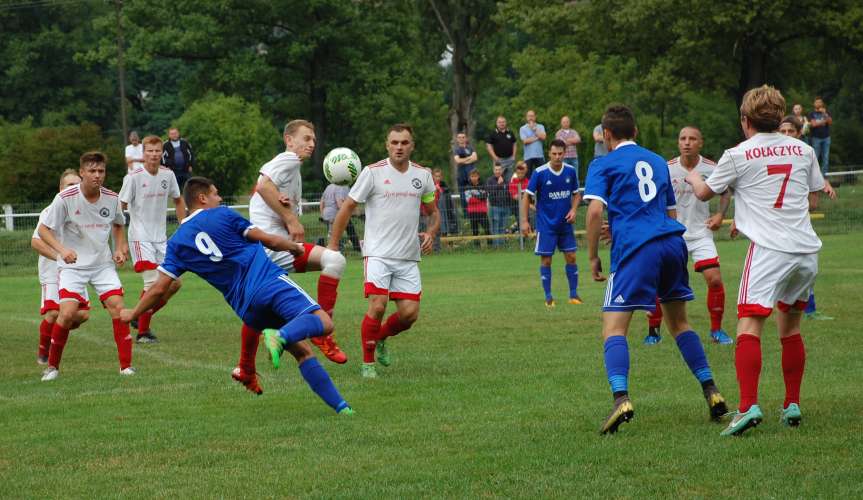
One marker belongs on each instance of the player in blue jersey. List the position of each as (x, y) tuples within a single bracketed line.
[(555, 188), (225, 249), (648, 258)]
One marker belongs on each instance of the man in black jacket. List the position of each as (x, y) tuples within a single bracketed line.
[(177, 155)]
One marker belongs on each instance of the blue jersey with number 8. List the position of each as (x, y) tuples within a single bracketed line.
[(212, 244), (635, 186)]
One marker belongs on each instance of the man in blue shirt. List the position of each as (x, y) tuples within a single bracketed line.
[(532, 134), (648, 258), (225, 249), (555, 188)]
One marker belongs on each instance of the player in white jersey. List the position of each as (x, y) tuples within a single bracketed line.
[(50, 307), (85, 217), (393, 190), (145, 194), (275, 208), (776, 180), (695, 215)]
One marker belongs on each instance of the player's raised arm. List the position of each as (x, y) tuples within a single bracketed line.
[(341, 222), (274, 242), (594, 228), (270, 193), (151, 297)]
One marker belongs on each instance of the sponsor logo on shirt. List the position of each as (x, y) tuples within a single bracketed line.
[(164, 184), (416, 183), (559, 195)]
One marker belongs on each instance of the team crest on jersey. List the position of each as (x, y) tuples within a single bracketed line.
[(164, 184), (104, 212), (417, 184)]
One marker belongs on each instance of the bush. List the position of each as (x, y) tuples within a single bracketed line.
[(231, 140)]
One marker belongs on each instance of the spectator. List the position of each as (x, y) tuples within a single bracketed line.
[(477, 205), (819, 133), (517, 185), (501, 145), (437, 177), (499, 202), (134, 153), (448, 220), (532, 134), (331, 202), (571, 138), (177, 155), (465, 157), (797, 111), (599, 147)]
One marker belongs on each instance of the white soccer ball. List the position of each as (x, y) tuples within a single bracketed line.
[(342, 167)]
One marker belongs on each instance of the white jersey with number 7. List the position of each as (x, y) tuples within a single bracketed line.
[(771, 175)]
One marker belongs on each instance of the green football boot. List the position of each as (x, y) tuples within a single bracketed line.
[(347, 410), (275, 346), (382, 353), (791, 416), (743, 421), (369, 370)]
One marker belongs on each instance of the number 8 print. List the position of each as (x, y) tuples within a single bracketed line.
[(206, 246), (646, 186)]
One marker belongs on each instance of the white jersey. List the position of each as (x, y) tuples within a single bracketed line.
[(47, 267), (83, 226), (284, 171), (691, 212), (137, 153), (147, 196), (772, 176), (393, 201)]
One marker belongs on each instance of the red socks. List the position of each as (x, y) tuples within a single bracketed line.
[(124, 343), (393, 326), (654, 319), (58, 342), (371, 329), (716, 306), (146, 316), (793, 364), (249, 348), (747, 360), (327, 293), (45, 337)]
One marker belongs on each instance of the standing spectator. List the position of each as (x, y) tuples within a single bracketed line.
[(177, 155), (134, 153), (465, 157), (331, 202), (477, 205), (571, 138), (501, 145), (532, 134), (599, 147), (819, 126), (517, 185), (797, 111), (448, 221), (499, 203)]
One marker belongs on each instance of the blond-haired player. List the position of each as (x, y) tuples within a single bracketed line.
[(776, 180)]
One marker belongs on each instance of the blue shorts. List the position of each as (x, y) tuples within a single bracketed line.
[(547, 241), (277, 303), (657, 269)]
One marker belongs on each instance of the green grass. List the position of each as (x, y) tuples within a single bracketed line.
[(489, 395)]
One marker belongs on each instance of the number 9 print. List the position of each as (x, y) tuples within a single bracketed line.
[(206, 246)]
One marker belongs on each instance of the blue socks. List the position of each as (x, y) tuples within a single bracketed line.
[(617, 364), (321, 383), (572, 277), (545, 278), (301, 328), (810, 306), (693, 353)]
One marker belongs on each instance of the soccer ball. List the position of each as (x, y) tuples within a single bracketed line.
[(342, 166)]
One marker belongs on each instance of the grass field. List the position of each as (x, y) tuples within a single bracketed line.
[(490, 395)]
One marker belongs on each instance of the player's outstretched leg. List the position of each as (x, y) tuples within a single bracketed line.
[(654, 322), (245, 372), (318, 379), (302, 327), (332, 266), (617, 371)]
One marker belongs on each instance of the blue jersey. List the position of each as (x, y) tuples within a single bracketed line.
[(553, 192), (212, 244), (635, 186)]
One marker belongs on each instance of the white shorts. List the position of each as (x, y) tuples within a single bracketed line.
[(50, 298), (73, 284), (397, 278), (703, 253), (147, 255), (775, 278)]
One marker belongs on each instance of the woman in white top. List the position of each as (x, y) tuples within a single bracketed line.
[(134, 153)]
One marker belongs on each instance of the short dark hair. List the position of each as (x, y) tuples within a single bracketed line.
[(89, 157), (557, 143), (194, 187), (619, 121), (796, 123), (401, 127)]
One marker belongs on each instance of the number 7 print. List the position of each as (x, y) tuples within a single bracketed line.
[(784, 169)]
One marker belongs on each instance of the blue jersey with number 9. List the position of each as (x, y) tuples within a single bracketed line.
[(212, 244), (635, 186)]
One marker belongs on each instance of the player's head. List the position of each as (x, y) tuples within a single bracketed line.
[(300, 138), (400, 143), (69, 177), (761, 110), (618, 123), (521, 169), (797, 109), (174, 134), (530, 116), (91, 168), (791, 126), (473, 177), (200, 192), (152, 150), (134, 139), (501, 122), (690, 141), (564, 121), (556, 150), (461, 139)]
